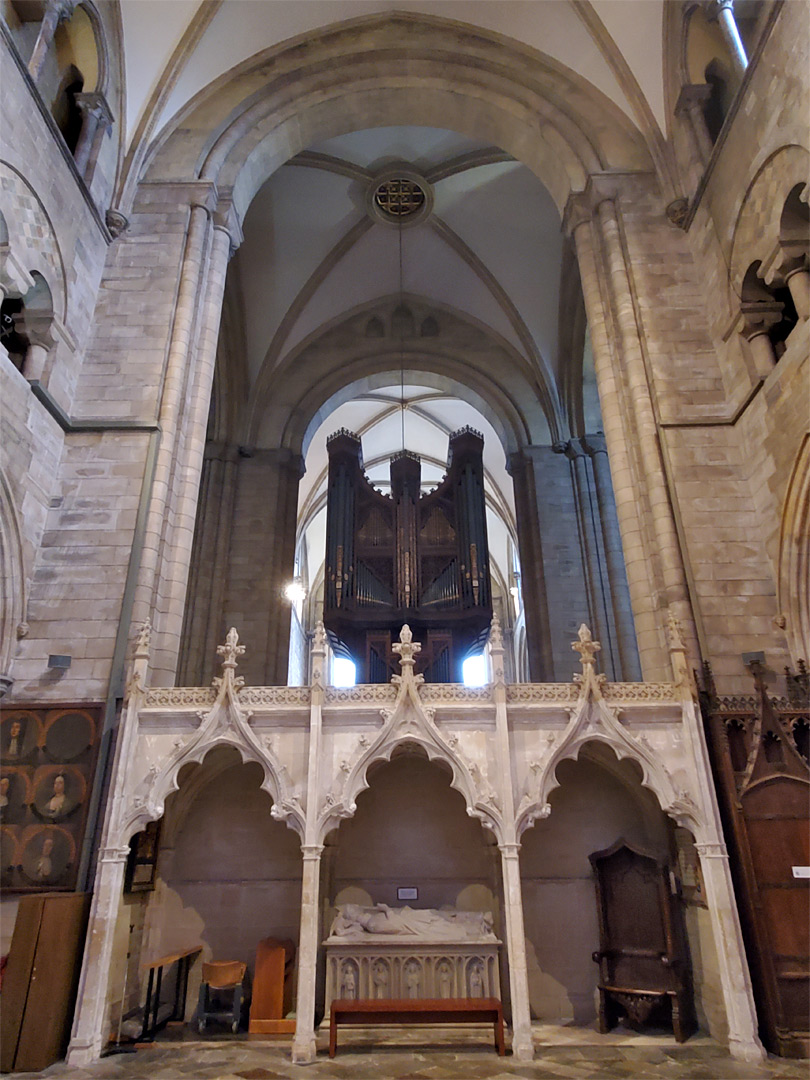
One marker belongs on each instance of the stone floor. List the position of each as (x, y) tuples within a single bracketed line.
[(436, 1054)]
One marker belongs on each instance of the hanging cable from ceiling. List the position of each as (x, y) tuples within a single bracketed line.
[(401, 320)]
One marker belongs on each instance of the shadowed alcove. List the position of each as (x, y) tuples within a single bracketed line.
[(228, 874), (600, 800)]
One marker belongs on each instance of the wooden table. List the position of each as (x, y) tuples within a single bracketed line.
[(417, 1011), (154, 982)]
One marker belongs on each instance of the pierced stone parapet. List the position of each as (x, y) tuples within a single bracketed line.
[(373, 692), (180, 697), (540, 693)]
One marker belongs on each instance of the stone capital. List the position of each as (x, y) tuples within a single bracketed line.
[(714, 8), (113, 855), (157, 194), (578, 211), (712, 850), (692, 96), (311, 852), (595, 444), (95, 104), (678, 212), (226, 218), (760, 316), (62, 9), (280, 456), (574, 449)]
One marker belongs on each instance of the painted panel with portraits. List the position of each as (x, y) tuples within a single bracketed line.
[(47, 763)]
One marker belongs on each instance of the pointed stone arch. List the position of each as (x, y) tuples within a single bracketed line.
[(593, 720), (225, 724), (410, 722)]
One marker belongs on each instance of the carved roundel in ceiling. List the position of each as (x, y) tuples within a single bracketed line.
[(400, 196)]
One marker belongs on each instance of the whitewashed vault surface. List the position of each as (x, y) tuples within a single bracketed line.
[(502, 742)]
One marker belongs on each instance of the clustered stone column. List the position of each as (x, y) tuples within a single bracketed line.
[(625, 632), (655, 569), (210, 239), (204, 623)]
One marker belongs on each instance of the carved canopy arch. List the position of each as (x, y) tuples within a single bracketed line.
[(592, 719), (225, 724), (410, 723)]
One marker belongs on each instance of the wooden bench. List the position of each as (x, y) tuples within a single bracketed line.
[(417, 1011)]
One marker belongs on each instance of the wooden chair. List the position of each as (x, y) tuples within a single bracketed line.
[(642, 955), (223, 975)]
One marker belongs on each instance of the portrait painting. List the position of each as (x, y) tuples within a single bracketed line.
[(18, 737), (13, 796), (8, 856), (69, 734), (47, 855), (57, 792)]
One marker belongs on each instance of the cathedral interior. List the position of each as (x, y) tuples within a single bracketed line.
[(404, 524)]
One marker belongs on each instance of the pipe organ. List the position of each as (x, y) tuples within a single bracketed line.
[(407, 558)]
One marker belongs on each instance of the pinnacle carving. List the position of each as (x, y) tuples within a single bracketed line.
[(407, 650), (143, 640), (589, 682)]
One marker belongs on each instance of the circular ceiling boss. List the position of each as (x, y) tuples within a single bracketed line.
[(400, 196)]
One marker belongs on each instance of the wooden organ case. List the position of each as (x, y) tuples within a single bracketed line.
[(407, 558)]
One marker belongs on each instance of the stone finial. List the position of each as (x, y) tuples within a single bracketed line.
[(495, 633), (143, 640), (318, 653), (319, 637), (407, 650), (586, 647), (230, 650)]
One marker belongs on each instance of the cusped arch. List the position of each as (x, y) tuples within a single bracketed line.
[(594, 722), (435, 751), (149, 801)]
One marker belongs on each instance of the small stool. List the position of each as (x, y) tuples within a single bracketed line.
[(224, 975)]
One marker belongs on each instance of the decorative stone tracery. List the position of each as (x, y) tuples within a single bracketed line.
[(314, 774)]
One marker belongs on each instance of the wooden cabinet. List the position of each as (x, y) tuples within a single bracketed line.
[(643, 963), (40, 980)]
